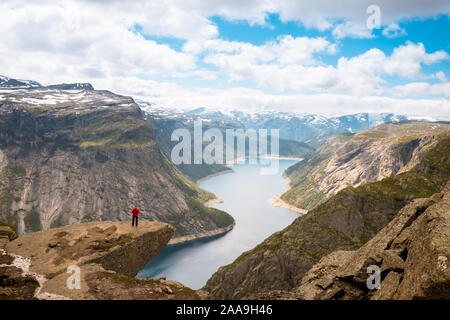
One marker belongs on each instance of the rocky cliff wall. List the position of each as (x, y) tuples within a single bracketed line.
[(78, 156)]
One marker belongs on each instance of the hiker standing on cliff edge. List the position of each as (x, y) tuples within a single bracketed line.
[(135, 212)]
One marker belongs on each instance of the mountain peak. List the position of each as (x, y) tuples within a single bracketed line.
[(11, 83), (71, 86)]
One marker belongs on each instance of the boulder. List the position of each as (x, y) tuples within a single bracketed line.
[(412, 252)]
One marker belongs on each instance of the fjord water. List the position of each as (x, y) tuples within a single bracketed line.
[(246, 194)]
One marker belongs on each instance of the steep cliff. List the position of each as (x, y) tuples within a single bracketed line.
[(70, 156), (412, 254), (107, 255), (352, 160), (346, 221)]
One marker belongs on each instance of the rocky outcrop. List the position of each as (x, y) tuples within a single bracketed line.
[(368, 156), (117, 246), (202, 235), (71, 86), (73, 156), (411, 252), (7, 233), (14, 285), (107, 254), (346, 221)]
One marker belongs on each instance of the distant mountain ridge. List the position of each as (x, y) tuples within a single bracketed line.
[(166, 121), (312, 129), (10, 83), (304, 127)]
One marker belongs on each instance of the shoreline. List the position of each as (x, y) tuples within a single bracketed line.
[(210, 202), (201, 235), (213, 175), (209, 233), (266, 157), (276, 200)]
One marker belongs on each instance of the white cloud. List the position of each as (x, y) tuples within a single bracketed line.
[(416, 89), (323, 13), (286, 50), (290, 64), (440, 75), (352, 30), (320, 14), (406, 60), (47, 43), (393, 31), (141, 88), (252, 100)]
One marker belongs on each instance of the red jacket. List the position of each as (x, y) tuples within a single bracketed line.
[(135, 211)]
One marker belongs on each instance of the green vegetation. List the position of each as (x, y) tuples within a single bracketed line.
[(89, 217), (220, 218), (57, 222), (185, 184), (18, 171), (292, 148), (33, 221), (198, 171), (6, 199), (195, 198), (113, 131), (13, 220), (11, 235)]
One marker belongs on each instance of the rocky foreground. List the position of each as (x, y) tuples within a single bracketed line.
[(411, 251), (108, 255)]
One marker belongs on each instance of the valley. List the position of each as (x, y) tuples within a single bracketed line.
[(193, 263), (73, 156), (346, 221)]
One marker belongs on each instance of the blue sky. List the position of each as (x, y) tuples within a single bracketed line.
[(430, 31), (252, 55)]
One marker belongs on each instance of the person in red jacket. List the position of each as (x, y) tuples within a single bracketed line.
[(135, 212)]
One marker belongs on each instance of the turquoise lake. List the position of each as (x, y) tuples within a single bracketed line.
[(246, 194)]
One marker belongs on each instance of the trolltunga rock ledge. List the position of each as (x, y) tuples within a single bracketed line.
[(108, 254), (116, 246)]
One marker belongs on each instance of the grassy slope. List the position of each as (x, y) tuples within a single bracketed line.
[(303, 192)]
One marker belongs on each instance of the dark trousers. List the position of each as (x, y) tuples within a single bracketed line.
[(134, 219)]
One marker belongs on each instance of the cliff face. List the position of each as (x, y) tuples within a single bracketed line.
[(412, 252), (71, 156), (368, 156), (116, 246), (108, 255), (346, 221)]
